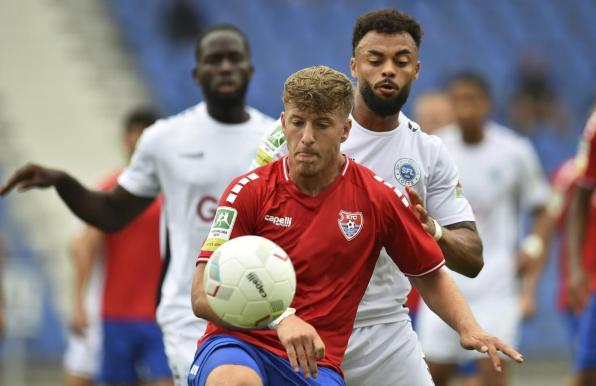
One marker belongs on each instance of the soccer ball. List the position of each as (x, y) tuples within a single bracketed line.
[(249, 281)]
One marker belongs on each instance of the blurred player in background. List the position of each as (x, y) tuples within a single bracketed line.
[(316, 185), (131, 342), (432, 111), (383, 348), (581, 237), (190, 157), (501, 175)]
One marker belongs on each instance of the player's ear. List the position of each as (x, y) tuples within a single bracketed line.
[(346, 130), (417, 69), (282, 117), (353, 67)]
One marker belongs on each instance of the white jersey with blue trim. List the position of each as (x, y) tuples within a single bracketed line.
[(404, 156)]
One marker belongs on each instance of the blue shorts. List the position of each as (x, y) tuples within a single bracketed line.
[(130, 347), (273, 370), (467, 368), (586, 337)]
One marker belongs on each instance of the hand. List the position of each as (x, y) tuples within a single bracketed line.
[(579, 291), (303, 344), (427, 222), (80, 321), (31, 176), (484, 343)]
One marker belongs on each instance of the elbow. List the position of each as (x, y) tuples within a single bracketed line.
[(475, 268)]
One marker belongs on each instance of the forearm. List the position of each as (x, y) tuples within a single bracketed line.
[(462, 248), (576, 225), (444, 298), (84, 250), (200, 304)]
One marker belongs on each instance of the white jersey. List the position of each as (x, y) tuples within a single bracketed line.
[(191, 158), (502, 178), (404, 156)]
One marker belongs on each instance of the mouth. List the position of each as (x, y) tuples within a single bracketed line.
[(305, 157), (226, 86), (388, 88)]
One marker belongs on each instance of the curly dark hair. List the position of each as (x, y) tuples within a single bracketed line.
[(386, 21)]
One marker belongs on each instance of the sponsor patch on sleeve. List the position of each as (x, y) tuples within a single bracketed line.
[(222, 227)]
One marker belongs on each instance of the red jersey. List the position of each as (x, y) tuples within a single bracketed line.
[(133, 265), (588, 178), (562, 181), (333, 239)]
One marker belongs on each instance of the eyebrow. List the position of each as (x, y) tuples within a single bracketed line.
[(405, 51)]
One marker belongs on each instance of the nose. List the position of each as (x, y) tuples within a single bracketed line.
[(308, 135), (226, 65), (388, 70)]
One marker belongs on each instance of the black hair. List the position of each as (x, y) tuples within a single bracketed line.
[(216, 28), (386, 21), (142, 116), (474, 79)]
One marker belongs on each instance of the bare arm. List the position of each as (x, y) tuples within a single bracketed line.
[(444, 298), (579, 210), (108, 211), (303, 344), (460, 242), (84, 249)]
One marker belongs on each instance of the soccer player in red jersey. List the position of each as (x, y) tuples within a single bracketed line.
[(581, 239), (342, 215)]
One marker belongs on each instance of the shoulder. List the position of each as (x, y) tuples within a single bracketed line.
[(259, 118), (377, 189), (506, 136), (164, 128), (418, 137), (255, 181)]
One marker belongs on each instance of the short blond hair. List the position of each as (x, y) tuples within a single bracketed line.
[(319, 89)]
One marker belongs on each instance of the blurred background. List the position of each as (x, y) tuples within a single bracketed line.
[(71, 69)]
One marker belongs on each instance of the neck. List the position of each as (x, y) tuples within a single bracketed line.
[(314, 185), (472, 135), (371, 120), (228, 114)]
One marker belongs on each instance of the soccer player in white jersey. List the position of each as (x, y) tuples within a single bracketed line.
[(383, 348), (502, 179), (190, 157)]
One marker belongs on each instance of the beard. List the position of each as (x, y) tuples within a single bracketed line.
[(384, 107)]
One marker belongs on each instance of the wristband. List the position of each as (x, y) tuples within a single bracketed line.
[(289, 311), (438, 231), (533, 246)]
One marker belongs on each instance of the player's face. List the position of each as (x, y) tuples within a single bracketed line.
[(471, 106), (385, 65), (433, 112), (314, 138), (224, 69)]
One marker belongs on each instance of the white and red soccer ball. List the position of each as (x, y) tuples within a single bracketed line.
[(249, 281)]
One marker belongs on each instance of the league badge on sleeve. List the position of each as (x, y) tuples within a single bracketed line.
[(406, 172), (350, 223)]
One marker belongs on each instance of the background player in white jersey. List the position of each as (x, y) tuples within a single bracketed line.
[(383, 349), (190, 157), (502, 176)]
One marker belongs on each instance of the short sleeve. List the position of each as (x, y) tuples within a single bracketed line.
[(534, 189), (413, 250), (445, 200), (273, 147), (140, 177), (235, 216)]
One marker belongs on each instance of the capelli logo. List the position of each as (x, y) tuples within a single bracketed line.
[(285, 222)]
